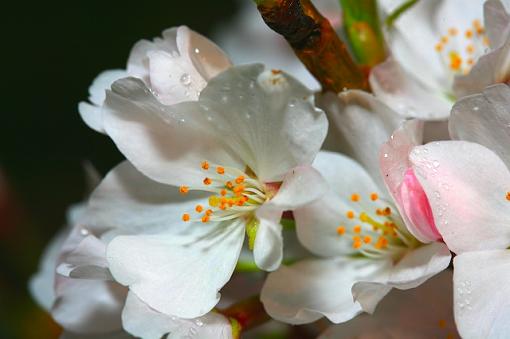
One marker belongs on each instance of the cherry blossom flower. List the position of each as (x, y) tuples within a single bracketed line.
[(362, 233), (441, 50), (246, 145), (468, 180)]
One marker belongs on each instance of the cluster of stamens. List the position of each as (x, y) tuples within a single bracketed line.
[(375, 235), (459, 51), (235, 193)]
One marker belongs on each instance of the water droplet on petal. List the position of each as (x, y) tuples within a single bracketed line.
[(186, 79)]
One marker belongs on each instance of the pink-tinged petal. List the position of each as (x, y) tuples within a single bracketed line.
[(467, 186), (481, 289), (485, 119), (395, 165), (402, 92), (421, 313), (492, 68), (416, 206)]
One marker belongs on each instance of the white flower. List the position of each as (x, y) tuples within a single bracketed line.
[(469, 185), (175, 67), (363, 235), (424, 312), (436, 48), (248, 143)]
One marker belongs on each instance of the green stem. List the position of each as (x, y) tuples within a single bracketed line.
[(397, 12)]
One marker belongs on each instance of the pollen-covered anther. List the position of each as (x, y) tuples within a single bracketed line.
[(220, 170), (205, 218), (355, 197), (508, 196), (207, 181), (185, 217), (367, 239), (204, 165), (340, 230), (356, 229), (184, 189), (374, 196), (199, 208), (350, 214)]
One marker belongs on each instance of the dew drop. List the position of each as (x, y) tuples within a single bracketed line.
[(197, 50), (186, 79), (386, 155), (199, 322), (182, 121), (84, 232), (476, 108), (435, 163)]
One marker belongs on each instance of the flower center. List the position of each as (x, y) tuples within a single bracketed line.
[(376, 232), (235, 193), (460, 50)]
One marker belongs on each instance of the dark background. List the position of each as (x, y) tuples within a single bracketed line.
[(51, 51)]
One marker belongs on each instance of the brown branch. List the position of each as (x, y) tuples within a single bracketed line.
[(314, 42)]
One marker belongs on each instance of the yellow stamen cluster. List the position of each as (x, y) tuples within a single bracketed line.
[(461, 60), (373, 235), (235, 193)]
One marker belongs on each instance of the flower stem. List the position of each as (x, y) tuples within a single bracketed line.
[(245, 315), (315, 43)]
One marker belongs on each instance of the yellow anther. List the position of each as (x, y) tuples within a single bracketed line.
[(229, 184), (238, 189), (205, 218), (470, 49), (438, 47), (184, 189), (455, 61), (453, 31), (223, 192), (444, 39), (220, 170), (199, 208), (349, 214), (374, 196), (239, 179), (207, 181), (214, 201), (442, 323), (185, 217), (367, 239), (387, 211), (508, 196), (205, 165), (356, 238), (356, 229), (470, 61), (469, 33), (356, 244), (340, 230), (208, 212), (355, 197), (363, 217)]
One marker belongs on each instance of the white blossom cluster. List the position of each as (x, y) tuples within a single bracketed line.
[(376, 190)]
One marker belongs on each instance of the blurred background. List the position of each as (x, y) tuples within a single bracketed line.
[(51, 52)]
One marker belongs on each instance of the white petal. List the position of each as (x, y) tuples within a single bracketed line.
[(178, 275), (482, 307), (491, 68), (88, 306), (411, 271), (168, 143), (316, 223), (268, 246), (130, 202), (399, 90), (86, 261), (91, 112), (421, 313), (41, 284), (484, 119), (497, 21), (467, 185), (310, 289), (142, 321), (351, 112)]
